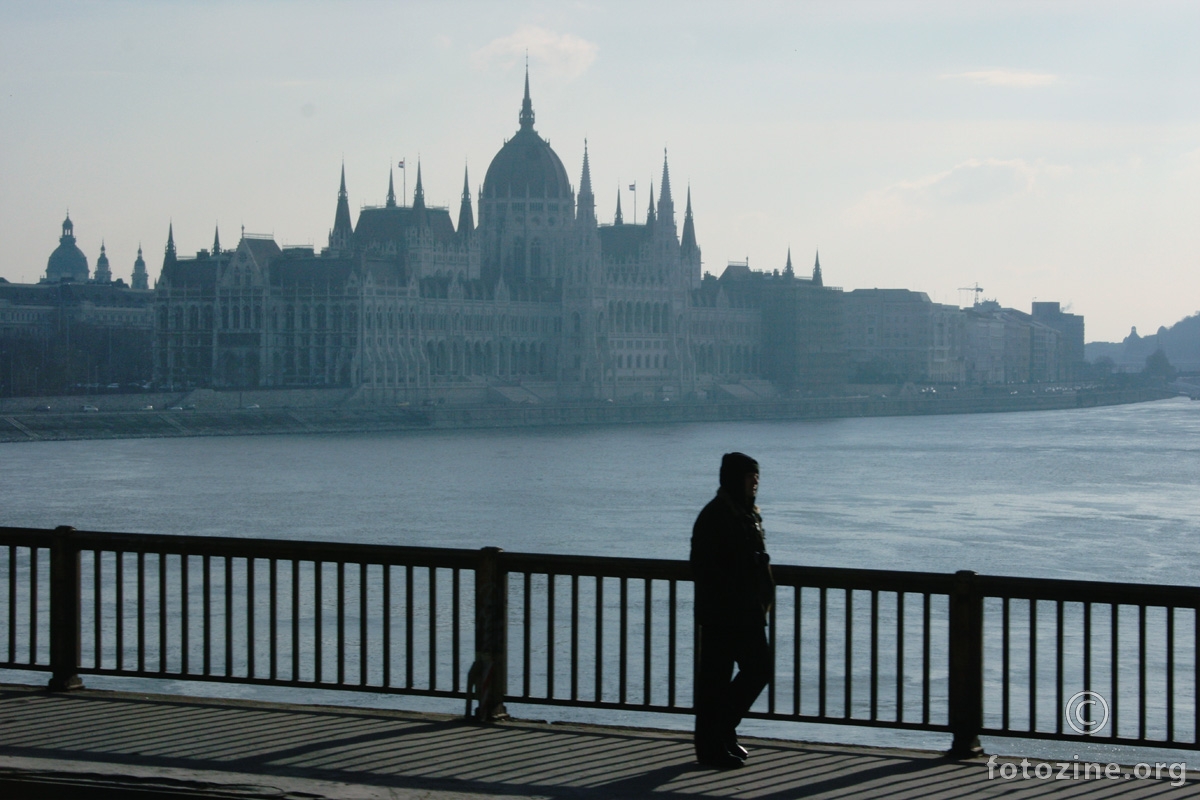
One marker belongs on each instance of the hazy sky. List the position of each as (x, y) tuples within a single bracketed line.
[(1039, 150)]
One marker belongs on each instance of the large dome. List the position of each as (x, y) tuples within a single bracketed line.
[(526, 164), (67, 260)]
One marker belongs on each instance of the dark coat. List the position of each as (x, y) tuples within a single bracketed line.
[(730, 565)]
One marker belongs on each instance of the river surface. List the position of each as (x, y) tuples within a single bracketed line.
[(1102, 493)]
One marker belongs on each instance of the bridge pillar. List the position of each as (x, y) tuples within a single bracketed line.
[(966, 666), (64, 611), (489, 673)]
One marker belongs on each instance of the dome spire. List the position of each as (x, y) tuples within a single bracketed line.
[(140, 279), (526, 104)]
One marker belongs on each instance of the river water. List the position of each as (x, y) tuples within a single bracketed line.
[(1101, 493)]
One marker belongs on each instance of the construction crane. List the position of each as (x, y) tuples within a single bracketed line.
[(977, 289)]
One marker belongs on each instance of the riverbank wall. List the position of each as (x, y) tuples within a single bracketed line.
[(169, 417)]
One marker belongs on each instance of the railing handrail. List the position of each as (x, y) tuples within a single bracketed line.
[(355, 583)]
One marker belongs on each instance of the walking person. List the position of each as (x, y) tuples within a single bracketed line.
[(734, 592)]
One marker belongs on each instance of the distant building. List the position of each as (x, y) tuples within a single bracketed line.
[(898, 335), (1071, 345), (539, 300)]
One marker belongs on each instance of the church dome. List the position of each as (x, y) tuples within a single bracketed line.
[(67, 260), (526, 164)]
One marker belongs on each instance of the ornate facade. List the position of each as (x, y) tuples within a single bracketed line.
[(536, 301)]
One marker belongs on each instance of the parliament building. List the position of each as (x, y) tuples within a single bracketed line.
[(526, 297)]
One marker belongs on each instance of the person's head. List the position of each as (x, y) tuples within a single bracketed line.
[(739, 476)]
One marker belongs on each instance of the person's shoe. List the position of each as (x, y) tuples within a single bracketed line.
[(737, 751), (722, 760)]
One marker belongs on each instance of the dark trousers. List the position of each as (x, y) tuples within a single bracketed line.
[(721, 702)]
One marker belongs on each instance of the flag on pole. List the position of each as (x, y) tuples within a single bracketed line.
[(633, 187), (401, 164)]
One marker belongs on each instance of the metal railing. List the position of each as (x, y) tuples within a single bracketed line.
[(958, 653)]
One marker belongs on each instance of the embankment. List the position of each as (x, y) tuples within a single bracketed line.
[(17, 425)]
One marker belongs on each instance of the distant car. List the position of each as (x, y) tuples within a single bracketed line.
[(175, 408), (251, 406), (42, 408), (90, 408), (114, 386), (147, 408)]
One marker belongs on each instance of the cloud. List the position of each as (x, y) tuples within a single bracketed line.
[(1009, 78), (975, 182), (566, 56)]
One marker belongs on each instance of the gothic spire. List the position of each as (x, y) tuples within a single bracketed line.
[(816, 279), (688, 242), (216, 251), (169, 253), (618, 219), (466, 219), (586, 201), (339, 237), (391, 195), (419, 192), (650, 210), (666, 206), (787, 269), (526, 104)]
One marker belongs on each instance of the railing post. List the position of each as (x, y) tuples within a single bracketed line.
[(966, 666), (64, 611), (489, 673)]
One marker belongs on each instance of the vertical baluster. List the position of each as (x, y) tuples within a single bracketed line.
[(526, 622), (274, 617), (646, 644), (848, 683), (925, 638), (387, 625), (12, 603), (250, 633), (162, 613), (295, 570), (227, 563), (672, 621), (362, 624), (1033, 665), (432, 628), (1087, 649), (97, 605), (408, 626), (899, 656), (1170, 673), (456, 627), (228, 631), (575, 641), (207, 625), (874, 654), (341, 623), (184, 625), (141, 611), (821, 654), (318, 614), (120, 610), (599, 637), (1142, 671), (549, 635), (797, 617), (1058, 664), (1005, 675), (1114, 684), (623, 648), (33, 605)]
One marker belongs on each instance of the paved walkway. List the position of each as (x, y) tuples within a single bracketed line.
[(93, 744)]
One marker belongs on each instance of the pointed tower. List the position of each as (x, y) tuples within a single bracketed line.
[(586, 201), (666, 206), (617, 218), (140, 279), (650, 211), (526, 118), (788, 272), (102, 274), (391, 195), (466, 219), (816, 278), (216, 251), (419, 199), (688, 243), (169, 254), (343, 231)]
